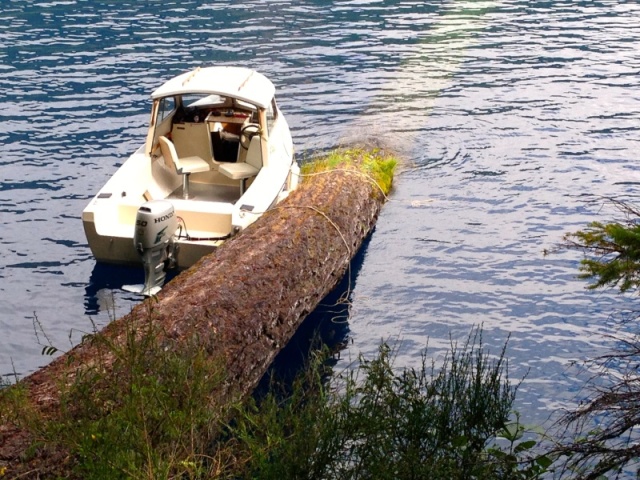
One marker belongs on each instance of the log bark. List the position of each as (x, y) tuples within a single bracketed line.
[(244, 301)]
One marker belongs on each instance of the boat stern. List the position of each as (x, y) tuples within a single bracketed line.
[(115, 246)]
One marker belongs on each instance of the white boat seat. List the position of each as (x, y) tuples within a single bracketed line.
[(183, 166), (238, 170), (242, 171)]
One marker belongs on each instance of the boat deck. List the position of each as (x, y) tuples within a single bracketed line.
[(209, 193)]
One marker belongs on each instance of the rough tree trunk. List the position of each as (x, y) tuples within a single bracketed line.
[(244, 301)]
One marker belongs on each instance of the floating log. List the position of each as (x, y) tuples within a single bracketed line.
[(244, 301)]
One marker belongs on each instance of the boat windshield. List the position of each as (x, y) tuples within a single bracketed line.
[(165, 108), (198, 101)]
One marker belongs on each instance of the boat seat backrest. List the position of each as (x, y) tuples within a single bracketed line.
[(169, 153), (185, 166), (192, 140), (254, 153), (249, 168)]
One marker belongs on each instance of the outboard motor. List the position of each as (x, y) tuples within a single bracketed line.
[(154, 239)]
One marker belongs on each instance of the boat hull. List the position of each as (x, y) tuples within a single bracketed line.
[(215, 192), (120, 250)]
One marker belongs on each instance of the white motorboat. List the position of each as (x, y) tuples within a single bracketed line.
[(217, 155)]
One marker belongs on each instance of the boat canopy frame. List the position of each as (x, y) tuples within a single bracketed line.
[(244, 84)]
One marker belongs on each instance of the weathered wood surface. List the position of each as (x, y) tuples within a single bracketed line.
[(246, 300)]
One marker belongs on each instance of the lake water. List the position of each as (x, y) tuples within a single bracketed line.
[(511, 116)]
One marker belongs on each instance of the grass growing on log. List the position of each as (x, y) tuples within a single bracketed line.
[(375, 163), (151, 416)]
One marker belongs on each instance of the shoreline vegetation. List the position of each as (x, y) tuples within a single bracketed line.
[(159, 421), (145, 406)]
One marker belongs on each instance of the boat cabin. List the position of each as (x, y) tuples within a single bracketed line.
[(218, 149), (206, 132)]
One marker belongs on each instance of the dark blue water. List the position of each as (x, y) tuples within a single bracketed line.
[(511, 116)]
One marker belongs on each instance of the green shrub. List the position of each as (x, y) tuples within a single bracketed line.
[(373, 423), (153, 416)]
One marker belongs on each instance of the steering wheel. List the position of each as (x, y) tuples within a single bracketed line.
[(247, 132)]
